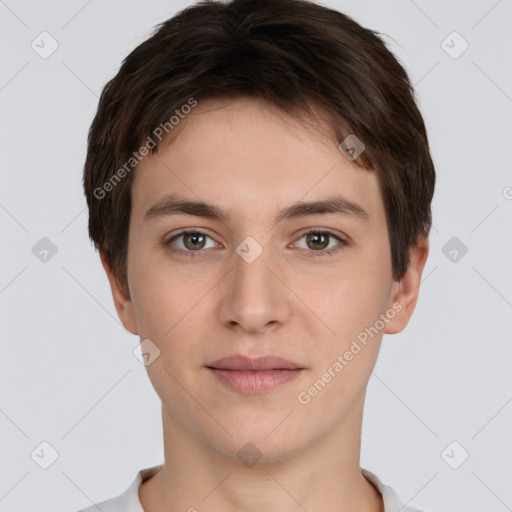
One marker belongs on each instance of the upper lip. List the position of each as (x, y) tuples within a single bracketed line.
[(239, 362)]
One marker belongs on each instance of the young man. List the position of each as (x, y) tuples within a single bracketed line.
[(259, 186)]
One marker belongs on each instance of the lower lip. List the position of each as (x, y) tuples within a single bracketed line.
[(252, 381)]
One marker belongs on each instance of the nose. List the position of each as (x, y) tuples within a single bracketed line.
[(255, 296)]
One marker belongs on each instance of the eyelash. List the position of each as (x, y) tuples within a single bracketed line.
[(312, 254)]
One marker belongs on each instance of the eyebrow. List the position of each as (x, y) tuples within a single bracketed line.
[(175, 205)]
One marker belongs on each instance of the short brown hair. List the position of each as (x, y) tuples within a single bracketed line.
[(292, 53)]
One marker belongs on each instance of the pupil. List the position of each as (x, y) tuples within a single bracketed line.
[(316, 236), (194, 239)]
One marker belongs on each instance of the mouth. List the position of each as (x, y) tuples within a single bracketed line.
[(254, 375)]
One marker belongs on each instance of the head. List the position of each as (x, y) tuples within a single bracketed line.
[(237, 111)]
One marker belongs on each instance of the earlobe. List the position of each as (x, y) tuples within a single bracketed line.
[(404, 293), (122, 301)]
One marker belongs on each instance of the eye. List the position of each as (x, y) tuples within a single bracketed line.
[(320, 240), (192, 241)]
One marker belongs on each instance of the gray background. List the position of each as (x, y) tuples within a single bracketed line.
[(68, 374)]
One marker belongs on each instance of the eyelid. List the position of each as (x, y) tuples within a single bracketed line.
[(300, 233), (167, 240), (323, 230), (343, 240)]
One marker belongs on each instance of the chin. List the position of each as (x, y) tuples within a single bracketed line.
[(257, 442), (257, 453)]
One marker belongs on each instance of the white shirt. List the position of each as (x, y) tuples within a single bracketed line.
[(129, 501)]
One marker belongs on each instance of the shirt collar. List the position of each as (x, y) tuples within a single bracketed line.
[(391, 501)]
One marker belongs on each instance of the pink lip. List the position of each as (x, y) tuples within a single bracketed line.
[(238, 362), (254, 375)]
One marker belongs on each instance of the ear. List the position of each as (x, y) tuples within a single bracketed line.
[(122, 300), (404, 293)]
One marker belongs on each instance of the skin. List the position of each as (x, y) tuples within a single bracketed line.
[(251, 159)]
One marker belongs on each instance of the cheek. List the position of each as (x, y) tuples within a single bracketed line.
[(164, 295), (354, 299), (352, 310), (361, 306), (168, 310), (351, 305)]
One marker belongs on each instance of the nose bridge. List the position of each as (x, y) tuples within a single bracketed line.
[(252, 275), (255, 296), (252, 261)]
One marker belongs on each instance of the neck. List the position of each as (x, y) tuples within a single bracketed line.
[(325, 475)]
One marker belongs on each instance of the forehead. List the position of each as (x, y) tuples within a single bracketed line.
[(252, 159)]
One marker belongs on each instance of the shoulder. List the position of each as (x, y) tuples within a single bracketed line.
[(392, 502), (112, 505), (128, 501)]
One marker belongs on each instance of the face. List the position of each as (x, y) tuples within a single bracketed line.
[(262, 279)]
